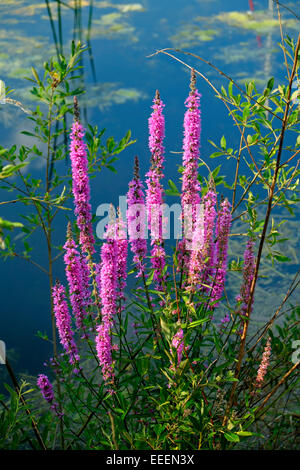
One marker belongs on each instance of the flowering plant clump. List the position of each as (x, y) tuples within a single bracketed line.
[(158, 347)]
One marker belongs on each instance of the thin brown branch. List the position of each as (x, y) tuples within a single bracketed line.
[(163, 51), (282, 40), (262, 239), (281, 381), (23, 401)]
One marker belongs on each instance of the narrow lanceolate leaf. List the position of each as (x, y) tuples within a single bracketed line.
[(231, 436), (9, 170)]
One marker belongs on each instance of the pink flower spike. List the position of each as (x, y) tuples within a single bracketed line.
[(136, 220), (76, 279), (264, 364), (47, 392), (191, 153), (190, 190), (108, 293), (248, 274), (154, 192), (80, 184), (104, 350), (221, 248), (63, 322), (121, 267)]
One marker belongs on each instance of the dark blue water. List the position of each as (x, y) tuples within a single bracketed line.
[(119, 92)]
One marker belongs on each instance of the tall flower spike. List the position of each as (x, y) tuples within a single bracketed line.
[(104, 350), (76, 280), (109, 274), (63, 322), (191, 143), (121, 267), (154, 192), (136, 219), (221, 248), (190, 191), (210, 200), (264, 364), (248, 274), (80, 184), (47, 392), (202, 256), (197, 255), (108, 294)]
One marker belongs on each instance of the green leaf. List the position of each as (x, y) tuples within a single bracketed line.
[(216, 154), (223, 143), (173, 191), (9, 170), (165, 328), (249, 139), (195, 323), (281, 258), (246, 112), (5, 224), (244, 433), (231, 436)]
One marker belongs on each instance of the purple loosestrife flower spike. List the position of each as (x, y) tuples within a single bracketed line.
[(63, 322), (192, 130), (104, 350), (80, 184), (221, 248), (264, 364), (202, 256), (136, 218), (196, 262), (108, 294), (154, 192), (47, 392), (190, 191), (76, 280), (157, 134), (210, 200), (121, 267), (108, 277), (248, 274)]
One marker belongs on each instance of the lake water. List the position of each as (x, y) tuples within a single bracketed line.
[(120, 84)]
